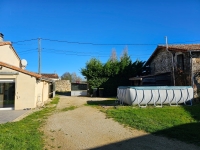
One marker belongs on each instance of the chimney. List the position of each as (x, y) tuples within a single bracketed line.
[(1, 37)]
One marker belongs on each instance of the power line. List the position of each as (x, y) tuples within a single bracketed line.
[(39, 56), (23, 41), (69, 52), (27, 50), (65, 51), (90, 43)]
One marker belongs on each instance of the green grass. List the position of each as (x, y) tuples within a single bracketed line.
[(69, 108), (181, 122), (109, 102), (25, 134), (55, 100)]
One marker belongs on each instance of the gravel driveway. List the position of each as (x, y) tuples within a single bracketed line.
[(87, 128)]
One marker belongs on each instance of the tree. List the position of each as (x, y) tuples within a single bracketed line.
[(112, 74), (111, 68), (66, 76), (75, 78), (72, 77), (94, 73), (94, 68), (113, 56), (125, 64), (124, 53)]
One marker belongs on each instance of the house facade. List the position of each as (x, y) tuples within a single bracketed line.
[(19, 88), (174, 65)]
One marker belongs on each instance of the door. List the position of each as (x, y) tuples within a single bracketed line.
[(7, 93), (1, 95)]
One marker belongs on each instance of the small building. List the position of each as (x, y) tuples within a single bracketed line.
[(19, 88), (52, 76), (175, 65), (79, 89)]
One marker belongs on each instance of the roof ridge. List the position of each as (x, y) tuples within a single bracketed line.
[(5, 43), (178, 44)]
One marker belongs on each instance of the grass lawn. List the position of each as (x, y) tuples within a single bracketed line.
[(25, 134), (181, 122)]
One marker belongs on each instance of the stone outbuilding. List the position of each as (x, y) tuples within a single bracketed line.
[(173, 65)]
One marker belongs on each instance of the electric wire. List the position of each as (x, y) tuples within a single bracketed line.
[(27, 50), (90, 43), (68, 52), (23, 41)]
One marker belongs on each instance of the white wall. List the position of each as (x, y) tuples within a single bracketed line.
[(7, 55), (42, 91), (28, 90), (79, 93), (25, 91)]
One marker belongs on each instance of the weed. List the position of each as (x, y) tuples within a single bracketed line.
[(69, 108)]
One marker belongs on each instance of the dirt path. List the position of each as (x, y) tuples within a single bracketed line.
[(87, 128)]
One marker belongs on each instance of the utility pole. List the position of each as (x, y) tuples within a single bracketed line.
[(39, 56), (166, 42), (173, 76)]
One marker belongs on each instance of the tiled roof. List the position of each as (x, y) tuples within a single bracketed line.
[(20, 70), (185, 47), (175, 47), (5, 43), (47, 75)]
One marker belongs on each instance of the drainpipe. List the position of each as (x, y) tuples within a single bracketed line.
[(192, 78), (191, 68), (172, 61)]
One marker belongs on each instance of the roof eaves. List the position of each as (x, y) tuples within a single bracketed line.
[(152, 55), (46, 79), (20, 70)]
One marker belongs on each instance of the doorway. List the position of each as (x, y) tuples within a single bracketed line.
[(7, 95)]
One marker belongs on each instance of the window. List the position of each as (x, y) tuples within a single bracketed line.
[(180, 62), (1, 88)]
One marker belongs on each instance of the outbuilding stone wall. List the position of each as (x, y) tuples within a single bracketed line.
[(196, 74), (62, 85), (161, 63)]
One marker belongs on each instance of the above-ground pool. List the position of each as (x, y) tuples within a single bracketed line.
[(154, 95)]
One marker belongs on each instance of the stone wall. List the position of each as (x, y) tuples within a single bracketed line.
[(196, 74), (161, 63), (62, 85), (183, 77)]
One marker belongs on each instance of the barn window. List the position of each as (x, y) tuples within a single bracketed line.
[(180, 62)]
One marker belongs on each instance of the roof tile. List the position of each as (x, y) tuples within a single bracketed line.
[(20, 70), (47, 75), (185, 47), (5, 43)]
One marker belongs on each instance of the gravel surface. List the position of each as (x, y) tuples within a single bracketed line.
[(87, 128)]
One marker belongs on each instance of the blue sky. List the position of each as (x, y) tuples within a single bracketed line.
[(139, 25)]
